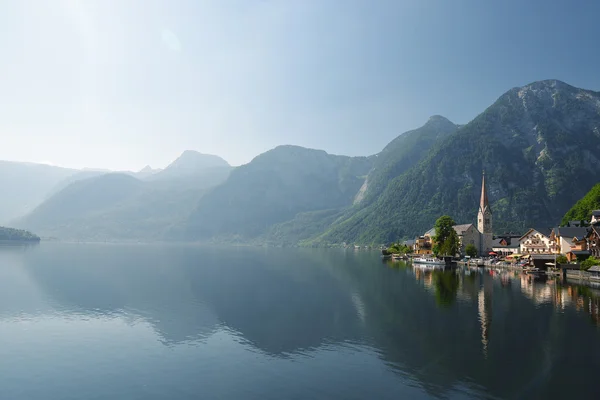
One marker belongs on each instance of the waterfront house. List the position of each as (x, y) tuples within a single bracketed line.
[(423, 245), (562, 237), (535, 242), (505, 246), (579, 249), (593, 240)]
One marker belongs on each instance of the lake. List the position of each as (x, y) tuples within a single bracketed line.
[(83, 321)]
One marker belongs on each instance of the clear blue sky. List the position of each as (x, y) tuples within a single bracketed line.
[(124, 83)]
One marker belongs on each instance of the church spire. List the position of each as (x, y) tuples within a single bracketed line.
[(483, 203)]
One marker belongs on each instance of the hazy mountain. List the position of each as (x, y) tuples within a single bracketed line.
[(191, 164), (274, 187), (76, 176), (95, 205), (539, 146), (146, 172), (25, 185)]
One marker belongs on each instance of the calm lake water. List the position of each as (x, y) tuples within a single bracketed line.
[(180, 322)]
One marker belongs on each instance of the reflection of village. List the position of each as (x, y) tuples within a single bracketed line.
[(477, 285)]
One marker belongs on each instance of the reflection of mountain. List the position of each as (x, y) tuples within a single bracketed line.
[(279, 304), (287, 302), (271, 301), (121, 281)]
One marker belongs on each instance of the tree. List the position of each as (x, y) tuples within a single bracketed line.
[(591, 261), (446, 239), (561, 259), (471, 250)]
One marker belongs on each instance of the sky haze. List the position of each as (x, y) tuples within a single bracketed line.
[(121, 84)]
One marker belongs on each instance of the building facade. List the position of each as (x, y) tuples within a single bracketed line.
[(534, 242)]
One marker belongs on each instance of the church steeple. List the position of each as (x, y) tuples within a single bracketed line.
[(484, 220), (483, 203)]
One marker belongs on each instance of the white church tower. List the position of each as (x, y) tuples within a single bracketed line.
[(484, 221)]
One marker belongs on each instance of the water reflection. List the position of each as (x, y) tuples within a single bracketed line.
[(463, 332)]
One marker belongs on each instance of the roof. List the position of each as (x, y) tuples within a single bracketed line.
[(461, 228), (409, 242), (530, 231), (574, 223), (458, 228), (596, 213), (510, 244), (580, 252), (594, 268), (571, 232)]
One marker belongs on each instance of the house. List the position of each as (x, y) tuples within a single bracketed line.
[(595, 217), (535, 242), (505, 246), (423, 245), (593, 240), (562, 237), (579, 249)]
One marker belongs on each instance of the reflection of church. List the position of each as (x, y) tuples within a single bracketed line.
[(484, 309)]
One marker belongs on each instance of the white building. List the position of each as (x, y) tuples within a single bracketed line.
[(534, 242)]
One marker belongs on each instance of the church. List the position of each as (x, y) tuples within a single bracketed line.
[(481, 236)]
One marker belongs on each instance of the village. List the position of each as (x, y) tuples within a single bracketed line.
[(574, 247)]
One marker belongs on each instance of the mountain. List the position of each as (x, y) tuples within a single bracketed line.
[(25, 185), (582, 210), (81, 199), (273, 188), (540, 148), (146, 172), (401, 154), (18, 235), (76, 176), (95, 205), (190, 164)]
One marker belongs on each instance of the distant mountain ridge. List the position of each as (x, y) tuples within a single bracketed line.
[(273, 188), (539, 145), (191, 163), (96, 205)]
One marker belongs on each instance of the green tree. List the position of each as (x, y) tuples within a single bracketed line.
[(561, 259), (591, 261), (446, 239), (471, 250)]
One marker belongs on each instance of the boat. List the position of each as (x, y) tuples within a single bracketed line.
[(431, 261)]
